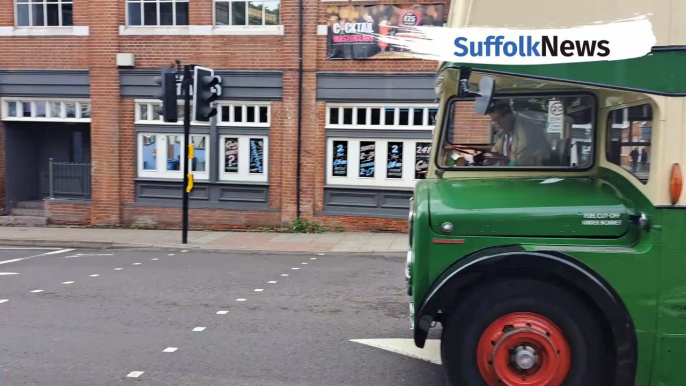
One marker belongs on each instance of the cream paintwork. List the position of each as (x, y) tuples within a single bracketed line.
[(668, 136), (665, 15)]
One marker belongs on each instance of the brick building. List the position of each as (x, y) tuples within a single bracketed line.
[(80, 130)]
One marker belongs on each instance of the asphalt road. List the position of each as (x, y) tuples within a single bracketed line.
[(295, 330)]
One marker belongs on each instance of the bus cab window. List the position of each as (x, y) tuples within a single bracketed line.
[(629, 134)]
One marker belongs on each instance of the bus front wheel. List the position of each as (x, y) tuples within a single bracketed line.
[(518, 332)]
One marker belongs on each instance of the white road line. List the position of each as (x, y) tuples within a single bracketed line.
[(320, 254), (135, 374), (284, 274), (31, 257), (154, 259), (68, 282), (95, 275), (259, 289), (295, 268), (240, 300), (184, 251), (118, 269), (136, 263), (36, 291), (272, 282), (199, 329), (8, 273), (303, 263), (4, 301), (170, 349), (171, 254), (222, 312), (313, 258), (94, 254)]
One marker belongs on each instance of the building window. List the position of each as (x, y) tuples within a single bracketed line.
[(44, 13), (45, 110), (146, 113), (381, 117), (244, 158), (157, 12), (161, 156), (255, 115), (629, 142), (377, 161), (250, 13)]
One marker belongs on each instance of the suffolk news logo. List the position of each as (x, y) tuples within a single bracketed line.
[(618, 40), (528, 46)]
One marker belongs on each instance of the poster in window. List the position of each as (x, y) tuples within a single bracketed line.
[(354, 30), (421, 159), (256, 155), (340, 158), (367, 157), (231, 155), (394, 169)]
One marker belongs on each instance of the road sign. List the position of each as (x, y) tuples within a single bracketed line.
[(555, 117)]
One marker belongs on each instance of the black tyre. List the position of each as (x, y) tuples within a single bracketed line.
[(523, 332)]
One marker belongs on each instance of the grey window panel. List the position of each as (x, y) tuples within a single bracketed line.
[(350, 198), (45, 83), (256, 85), (380, 133), (157, 190), (395, 201), (361, 87), (167, 203), (363, 212), (242, 193)]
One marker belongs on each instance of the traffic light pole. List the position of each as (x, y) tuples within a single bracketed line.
[(186, 86)]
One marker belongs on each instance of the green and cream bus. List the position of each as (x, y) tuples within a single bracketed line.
[(549, 238)]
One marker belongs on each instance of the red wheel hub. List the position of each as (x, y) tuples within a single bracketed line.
[(523, 349)]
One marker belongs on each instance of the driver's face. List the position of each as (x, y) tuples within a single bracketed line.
[(502, 121)]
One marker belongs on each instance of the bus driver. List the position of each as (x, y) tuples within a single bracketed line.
[(520, 136)]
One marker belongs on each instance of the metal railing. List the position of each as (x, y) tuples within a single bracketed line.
[(70, 180)]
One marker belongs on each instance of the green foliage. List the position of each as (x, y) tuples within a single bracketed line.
[(302, 225)]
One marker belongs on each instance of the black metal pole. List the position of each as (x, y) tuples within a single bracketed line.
[(300, 107), (187, 81)]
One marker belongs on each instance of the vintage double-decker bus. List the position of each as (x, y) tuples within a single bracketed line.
[(549, 238)]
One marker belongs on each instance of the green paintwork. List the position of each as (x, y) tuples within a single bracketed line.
[(645, 73), (646, 267), (566, 207)]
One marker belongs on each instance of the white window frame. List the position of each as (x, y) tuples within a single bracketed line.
[(33, 101), (45, 3), (380, 178), (367, 108), (243, 174), (245, 106), (151, 103), (161, 171), (157, 2), (245, 26)]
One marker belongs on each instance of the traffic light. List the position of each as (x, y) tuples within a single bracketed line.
[(207, 89), (167, 93)]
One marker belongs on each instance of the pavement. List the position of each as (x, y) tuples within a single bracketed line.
[(394, 243), (154, 317)]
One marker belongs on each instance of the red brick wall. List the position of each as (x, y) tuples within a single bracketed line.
[(198, 218), (61, 213), (362, 224)]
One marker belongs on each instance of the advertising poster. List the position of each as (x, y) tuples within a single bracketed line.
[(231, 154), (340, 158), (367, 155), (421, 160), (352, 29), (395, 160), (256, 155)]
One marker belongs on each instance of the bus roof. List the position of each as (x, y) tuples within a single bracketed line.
[(661, 72)]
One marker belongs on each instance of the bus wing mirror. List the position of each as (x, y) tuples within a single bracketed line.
[(485, 97)]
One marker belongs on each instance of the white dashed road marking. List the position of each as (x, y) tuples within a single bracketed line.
[(320, 254), (259, 289), (68, 282), (272, 282), (284, 274), (95, 275), (222, 312), (154, 259), (31, 257), (136, 263), (171, 254), (135, 374), (303, 263), (198, 329), (170, 349), (4, 301), (240, 300), (295, 268), (8, 273), (184, 251), (36, 291), (313, 258), (118, 269)]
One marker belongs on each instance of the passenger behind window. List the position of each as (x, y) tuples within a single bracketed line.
[(520, 136)]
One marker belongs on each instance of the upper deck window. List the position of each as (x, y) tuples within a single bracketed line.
[(520, 132)]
